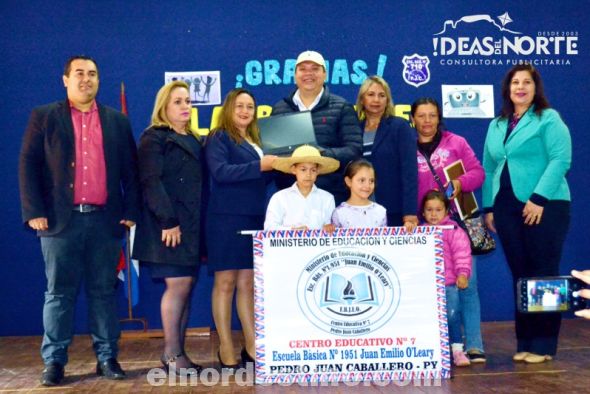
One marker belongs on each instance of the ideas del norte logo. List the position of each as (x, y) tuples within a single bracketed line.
[(348, 291), (483, 40)]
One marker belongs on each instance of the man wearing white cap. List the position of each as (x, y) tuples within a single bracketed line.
[(335, 123)]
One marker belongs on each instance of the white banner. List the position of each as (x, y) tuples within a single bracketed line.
[(361, 304)]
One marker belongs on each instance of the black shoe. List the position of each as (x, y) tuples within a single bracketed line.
[(476, 357), (198, 367), (246, 358), (169, 363), (110, 369), (230, 367), (52, 374)]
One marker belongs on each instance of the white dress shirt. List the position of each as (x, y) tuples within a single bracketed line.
[(256, 148), (301, 106), (288, 208)]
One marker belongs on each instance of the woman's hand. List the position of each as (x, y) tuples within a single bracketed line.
[(457, 188), (171, 236), (329, 228), (532, 213), (266, 162), (462, 282), (489, 221), (410, 222)]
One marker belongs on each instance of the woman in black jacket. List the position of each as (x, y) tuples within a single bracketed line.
[(167, 236)]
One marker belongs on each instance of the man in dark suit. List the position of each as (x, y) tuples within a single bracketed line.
[(79, 189)]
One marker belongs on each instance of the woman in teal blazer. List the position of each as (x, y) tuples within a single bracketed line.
[(527, 154)]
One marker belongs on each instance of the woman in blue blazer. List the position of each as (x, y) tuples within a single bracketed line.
[(237, 202), (390, 144), (527, 154)]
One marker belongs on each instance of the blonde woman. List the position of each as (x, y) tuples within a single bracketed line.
[(390, 144), (167, 236)]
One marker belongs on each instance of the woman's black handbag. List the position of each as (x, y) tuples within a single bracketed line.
[(482, 241)]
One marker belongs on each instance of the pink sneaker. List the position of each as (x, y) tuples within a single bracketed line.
[(460, 359)]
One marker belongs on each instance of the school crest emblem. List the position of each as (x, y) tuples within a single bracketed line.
[(416, 72)]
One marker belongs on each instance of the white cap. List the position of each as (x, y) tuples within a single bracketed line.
[(311, 56)]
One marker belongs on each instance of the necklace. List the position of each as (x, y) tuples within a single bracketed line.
[(519, 115), (370, 126)]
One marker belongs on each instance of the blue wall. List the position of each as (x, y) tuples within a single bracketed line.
[(137, 41)]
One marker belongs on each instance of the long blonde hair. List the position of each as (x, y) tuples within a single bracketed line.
[(226, 120), (159, 117), (360, 108)]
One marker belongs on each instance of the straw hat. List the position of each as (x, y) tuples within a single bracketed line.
[(306, 154)]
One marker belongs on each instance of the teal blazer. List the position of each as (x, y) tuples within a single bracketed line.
[(538, 153)]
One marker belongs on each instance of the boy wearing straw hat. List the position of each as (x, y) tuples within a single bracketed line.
[(302, 206)]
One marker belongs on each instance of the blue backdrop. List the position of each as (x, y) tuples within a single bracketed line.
[(255, 45)]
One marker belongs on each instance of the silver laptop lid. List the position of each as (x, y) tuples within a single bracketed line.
[(282, 134)]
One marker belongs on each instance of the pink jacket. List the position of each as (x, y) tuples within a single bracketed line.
[(451, 148), (457, 252)]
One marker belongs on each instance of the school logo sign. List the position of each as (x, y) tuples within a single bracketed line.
[(349, 292), (416, 72), (331, 307), (482, 40)]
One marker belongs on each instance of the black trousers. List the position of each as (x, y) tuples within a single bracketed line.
[(532, 251)]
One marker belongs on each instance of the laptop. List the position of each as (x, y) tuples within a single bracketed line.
[(282, 134)]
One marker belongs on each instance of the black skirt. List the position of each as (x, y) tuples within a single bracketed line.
[(227, 249), (161, 271)]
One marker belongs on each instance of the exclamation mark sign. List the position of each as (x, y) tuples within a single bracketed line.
[(435, 44), (381, 64)]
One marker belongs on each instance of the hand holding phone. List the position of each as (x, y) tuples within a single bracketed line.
[(584, 276), (450, 190), (550, 294)]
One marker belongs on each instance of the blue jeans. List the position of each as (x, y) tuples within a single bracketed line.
[(471, 312), (454, 314), (84, 251)]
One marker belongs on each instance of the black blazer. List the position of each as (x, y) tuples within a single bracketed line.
[(394, 157), (46, 167), (170, 174)]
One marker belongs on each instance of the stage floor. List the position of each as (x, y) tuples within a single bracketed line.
[(569, 372)]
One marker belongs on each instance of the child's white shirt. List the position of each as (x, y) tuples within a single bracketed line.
[(288, 208)]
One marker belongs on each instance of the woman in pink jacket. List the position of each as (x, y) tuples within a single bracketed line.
[(442, 148)]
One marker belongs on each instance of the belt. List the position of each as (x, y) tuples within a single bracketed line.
[(85, 208)]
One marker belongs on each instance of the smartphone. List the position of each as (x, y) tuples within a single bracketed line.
[(450, 190), (550, 294)]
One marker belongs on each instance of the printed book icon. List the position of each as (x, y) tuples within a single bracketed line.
[(339, 290)]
